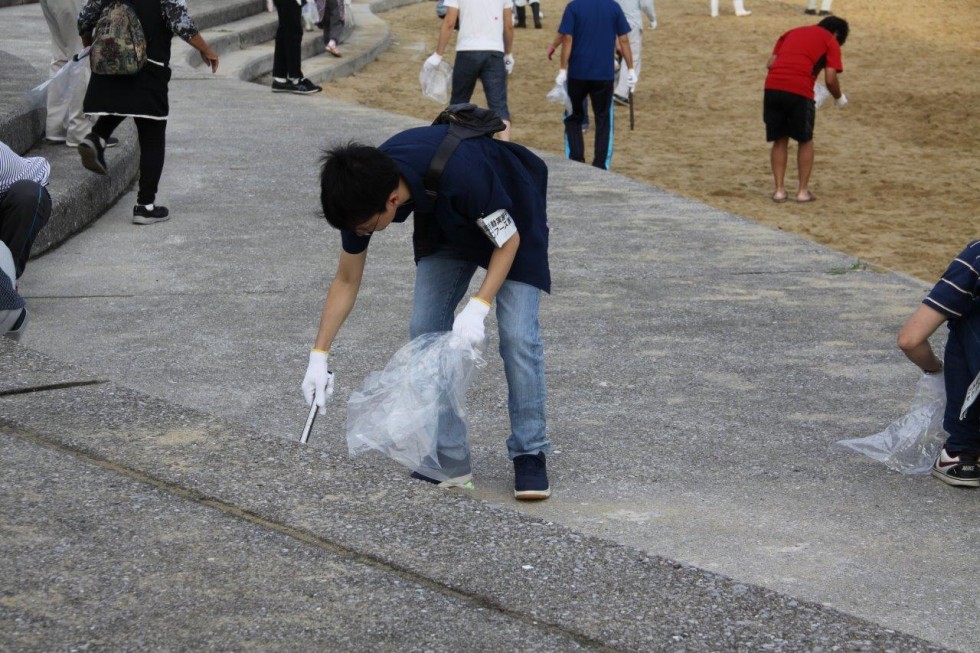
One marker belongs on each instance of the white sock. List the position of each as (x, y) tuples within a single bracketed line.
[(281, 80)]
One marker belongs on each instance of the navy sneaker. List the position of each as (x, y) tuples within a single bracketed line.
[(960, 470), (283, 87), (306, 87), (531, 478), (149, 214)]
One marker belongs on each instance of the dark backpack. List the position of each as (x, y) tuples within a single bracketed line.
[(465, 121), (118, 41)]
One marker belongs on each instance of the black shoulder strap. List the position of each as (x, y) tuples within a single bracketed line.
[(465, 121)]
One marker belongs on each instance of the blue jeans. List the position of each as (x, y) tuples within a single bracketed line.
[(441, 280), (961, 364), (488, 67)]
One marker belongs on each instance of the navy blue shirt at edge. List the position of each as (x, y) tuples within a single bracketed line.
[(482, 176), (594, 26)]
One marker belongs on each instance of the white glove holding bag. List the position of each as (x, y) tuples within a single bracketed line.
[(433, 61), (841, 102), (562, 77), (468, 325), (631, 79), (509, 63), (318, 382)]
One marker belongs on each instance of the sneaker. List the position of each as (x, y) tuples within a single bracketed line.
[(531, 478), (810, 12), (824, 12), (306, 87), (283, 87), (92, 152), (620, 100), (960, 470), (465, 482), (149, 214), (13, 323)]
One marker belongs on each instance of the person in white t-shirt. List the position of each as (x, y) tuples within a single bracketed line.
[(483, 51)]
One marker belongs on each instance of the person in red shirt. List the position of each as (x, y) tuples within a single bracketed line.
[(788, 106)]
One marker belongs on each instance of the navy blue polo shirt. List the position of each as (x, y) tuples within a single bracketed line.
[(482, 176), (594, 26)]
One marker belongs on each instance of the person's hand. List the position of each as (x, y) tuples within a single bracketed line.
[(551, 51), (631, 79), (318, 382), (562, 77), (841, 102), (468, 325), (210, 57), (433, 61), (509, 63)]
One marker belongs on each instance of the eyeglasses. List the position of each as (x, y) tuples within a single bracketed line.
[(367, 232)]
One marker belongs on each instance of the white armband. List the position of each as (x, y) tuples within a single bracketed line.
[(498, 227)]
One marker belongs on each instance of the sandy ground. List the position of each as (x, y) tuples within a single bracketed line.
[(897, 171)]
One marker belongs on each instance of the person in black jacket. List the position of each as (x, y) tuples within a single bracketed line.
[(142, 96)]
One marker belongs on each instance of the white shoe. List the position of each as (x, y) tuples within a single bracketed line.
[(743, 13)]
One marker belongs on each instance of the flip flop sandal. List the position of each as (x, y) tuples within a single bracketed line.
[(810, 198)]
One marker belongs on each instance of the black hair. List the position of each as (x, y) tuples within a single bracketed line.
[(355, 182), (837, 26)]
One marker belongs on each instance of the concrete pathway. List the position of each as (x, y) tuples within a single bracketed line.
[(699, 367)]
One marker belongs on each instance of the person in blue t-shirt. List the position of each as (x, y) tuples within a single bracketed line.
[(365, 189), (590, 30), (956, 299)]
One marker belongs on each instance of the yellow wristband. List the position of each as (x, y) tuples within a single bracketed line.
[(480, 299), (320, 351)]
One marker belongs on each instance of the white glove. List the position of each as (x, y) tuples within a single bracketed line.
[(631, 79), (841, 102), (653, 24), (318, 382), (433, 61), (468, 325), (562, 76), (509, 63)]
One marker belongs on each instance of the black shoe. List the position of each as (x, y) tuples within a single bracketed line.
[(824, 12), (150, 214), (112, 141), (531, 478), (92, 152), (283, 87), (620, 100), (810, 12), (306, 87), (960, 469)]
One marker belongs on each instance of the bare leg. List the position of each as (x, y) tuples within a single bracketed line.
[(804, 161), (777, 158)]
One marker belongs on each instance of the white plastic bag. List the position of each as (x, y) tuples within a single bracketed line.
[(558, 95), (420, 396), (62, 84), (911, 443), (820, 94), (437, 81), (311, 16)]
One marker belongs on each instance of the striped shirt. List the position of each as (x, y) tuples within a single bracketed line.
[(958, 290), (14, 168)]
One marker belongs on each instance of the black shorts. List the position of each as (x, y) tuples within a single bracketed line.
[(788, 115)]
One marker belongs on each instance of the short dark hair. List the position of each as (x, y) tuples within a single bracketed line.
[(355, 182), (837, 26)]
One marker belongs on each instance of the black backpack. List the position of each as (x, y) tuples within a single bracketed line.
[(465, 121)]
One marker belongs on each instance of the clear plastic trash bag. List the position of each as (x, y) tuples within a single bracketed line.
[(559, 95), (311, 15), (399, 410), (911, 443), (63, 83), (820, 94), (437, 81)]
